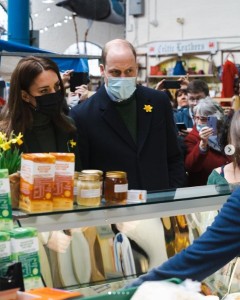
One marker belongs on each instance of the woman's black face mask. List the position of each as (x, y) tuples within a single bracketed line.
[(49, 104)]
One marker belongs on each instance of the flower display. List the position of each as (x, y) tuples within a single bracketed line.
[(10, 157), (148, 108)]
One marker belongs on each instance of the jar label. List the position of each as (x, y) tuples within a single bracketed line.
[(90, 193), (120, 188)]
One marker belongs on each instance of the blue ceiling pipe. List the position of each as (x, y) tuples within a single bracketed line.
[(18, 21)]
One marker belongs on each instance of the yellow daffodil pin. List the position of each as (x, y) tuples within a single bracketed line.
[(72, 143), (148, 108)]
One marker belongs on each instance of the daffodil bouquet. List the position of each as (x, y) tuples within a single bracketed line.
[(10, 157)]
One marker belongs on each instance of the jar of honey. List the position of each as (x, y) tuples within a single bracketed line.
[(115, 187), (98, 172), (89, 190)]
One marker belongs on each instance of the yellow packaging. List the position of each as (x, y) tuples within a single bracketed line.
[(63, 195), (36, 182)]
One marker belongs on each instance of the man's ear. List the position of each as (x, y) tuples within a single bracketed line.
[(101, 69), (25, 96)]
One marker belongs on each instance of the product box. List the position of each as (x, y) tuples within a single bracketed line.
[(25, 249), (63, 195), (5, 252), (36, 182), (6, 222)]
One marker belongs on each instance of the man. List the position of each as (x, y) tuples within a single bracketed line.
[(197, 89), (128, 127)]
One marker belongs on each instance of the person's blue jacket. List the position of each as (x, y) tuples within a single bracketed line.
[(182, 115), (211, 251)]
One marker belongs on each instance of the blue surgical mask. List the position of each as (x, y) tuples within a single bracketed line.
[(121, 87), (200, 127)]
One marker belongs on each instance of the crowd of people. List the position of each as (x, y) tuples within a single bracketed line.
[(129, 127)]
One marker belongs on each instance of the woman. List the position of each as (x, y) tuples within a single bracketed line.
[(181, 99), (229, 173), (35, 108), (203, 153)]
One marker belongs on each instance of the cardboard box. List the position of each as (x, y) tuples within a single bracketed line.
[(6, 222), (5, 252), (63, 191), (36, 182), (25, 249)]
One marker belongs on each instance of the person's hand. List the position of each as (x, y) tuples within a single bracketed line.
[(184, 132), (204, 135), (58, 241), (160, 85), (82, 92), (66, 78), (184, 81)]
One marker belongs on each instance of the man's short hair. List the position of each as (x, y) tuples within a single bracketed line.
[(198, 86), (109, 44)]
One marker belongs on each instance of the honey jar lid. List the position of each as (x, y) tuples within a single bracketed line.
[(116, 174), (92, 171), (91, 177)]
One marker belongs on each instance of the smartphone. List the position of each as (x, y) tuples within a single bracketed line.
[(212, 123), (77, 79), (181, 126), (171, 84)]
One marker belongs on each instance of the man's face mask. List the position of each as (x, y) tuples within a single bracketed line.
[(121, 87), (49, 104)]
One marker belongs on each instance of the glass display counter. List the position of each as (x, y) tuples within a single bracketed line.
[(99, 263), (159, 204)]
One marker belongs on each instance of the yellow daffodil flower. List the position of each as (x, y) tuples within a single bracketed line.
[(6, 146), (148, 108), (72, 143), (18, 139)]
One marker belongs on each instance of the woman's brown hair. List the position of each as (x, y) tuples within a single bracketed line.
[(17, 114)]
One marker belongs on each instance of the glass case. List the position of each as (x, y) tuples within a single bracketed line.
[(106, 245)]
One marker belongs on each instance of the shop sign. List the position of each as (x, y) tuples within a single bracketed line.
[(184, 46)]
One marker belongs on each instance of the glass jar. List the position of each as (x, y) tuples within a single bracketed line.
[(89, 190), (76, 175), (99, 172), (115, 187)]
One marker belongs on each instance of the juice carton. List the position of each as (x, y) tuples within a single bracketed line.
[(5, 252), (25, 249), (36, 182), (64, 181), (6, 222)]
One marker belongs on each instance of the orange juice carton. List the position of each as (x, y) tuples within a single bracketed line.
[(36, 182), (6, 222), (64, 181), (25, 249)]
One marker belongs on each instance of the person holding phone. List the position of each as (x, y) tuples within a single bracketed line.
[(203, 153)]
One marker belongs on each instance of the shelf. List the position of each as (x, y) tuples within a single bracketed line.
[(165, 203), (178, 76)]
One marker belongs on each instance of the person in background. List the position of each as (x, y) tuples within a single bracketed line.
[(236, 96), (181, 99), (230, 135), (203, 153), (197, 89), (129, 127)]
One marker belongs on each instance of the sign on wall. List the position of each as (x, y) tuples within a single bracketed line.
[(181, 47)]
